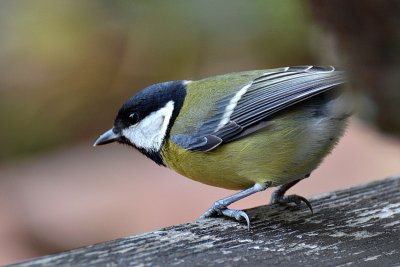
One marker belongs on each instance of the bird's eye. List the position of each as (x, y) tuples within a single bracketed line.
[(133, 118)]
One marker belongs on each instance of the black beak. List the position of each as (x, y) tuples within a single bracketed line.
[(107, 137)]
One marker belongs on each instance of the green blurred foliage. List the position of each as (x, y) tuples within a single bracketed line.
[(66, 66)]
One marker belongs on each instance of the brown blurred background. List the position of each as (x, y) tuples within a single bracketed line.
[(66, 66)]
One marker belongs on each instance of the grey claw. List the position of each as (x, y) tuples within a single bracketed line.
[(246, 217), (209, 213), (238, 215), (300, 198), (292, 199)]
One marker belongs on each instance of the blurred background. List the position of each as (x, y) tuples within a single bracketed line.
[(66, 67)]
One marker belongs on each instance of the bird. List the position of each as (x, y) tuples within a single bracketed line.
[(245, 131)]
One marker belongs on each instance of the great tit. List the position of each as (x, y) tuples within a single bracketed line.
[(248, 130)]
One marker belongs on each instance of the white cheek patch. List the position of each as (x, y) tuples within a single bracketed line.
[(150, 132)]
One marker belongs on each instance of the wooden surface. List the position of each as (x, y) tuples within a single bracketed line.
[(359, 226)]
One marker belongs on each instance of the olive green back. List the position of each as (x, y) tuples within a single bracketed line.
[(201, 96)]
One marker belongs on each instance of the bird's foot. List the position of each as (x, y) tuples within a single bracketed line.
[(296, 199), (218, 208)]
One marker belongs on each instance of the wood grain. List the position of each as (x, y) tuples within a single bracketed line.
[(356, 226)]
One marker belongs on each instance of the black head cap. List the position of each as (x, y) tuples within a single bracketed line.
[(148, 100)]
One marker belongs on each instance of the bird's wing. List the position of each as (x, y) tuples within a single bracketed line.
[(247, 109)]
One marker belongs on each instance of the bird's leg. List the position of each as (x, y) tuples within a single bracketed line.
[(220, 207), (278, 196)]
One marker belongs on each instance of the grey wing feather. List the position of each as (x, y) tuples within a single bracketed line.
[(197, 143), (266, 95)]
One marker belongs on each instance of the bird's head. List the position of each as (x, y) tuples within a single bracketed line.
[(145, 119)]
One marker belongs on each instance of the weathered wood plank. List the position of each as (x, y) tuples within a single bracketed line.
[(356, 226)]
